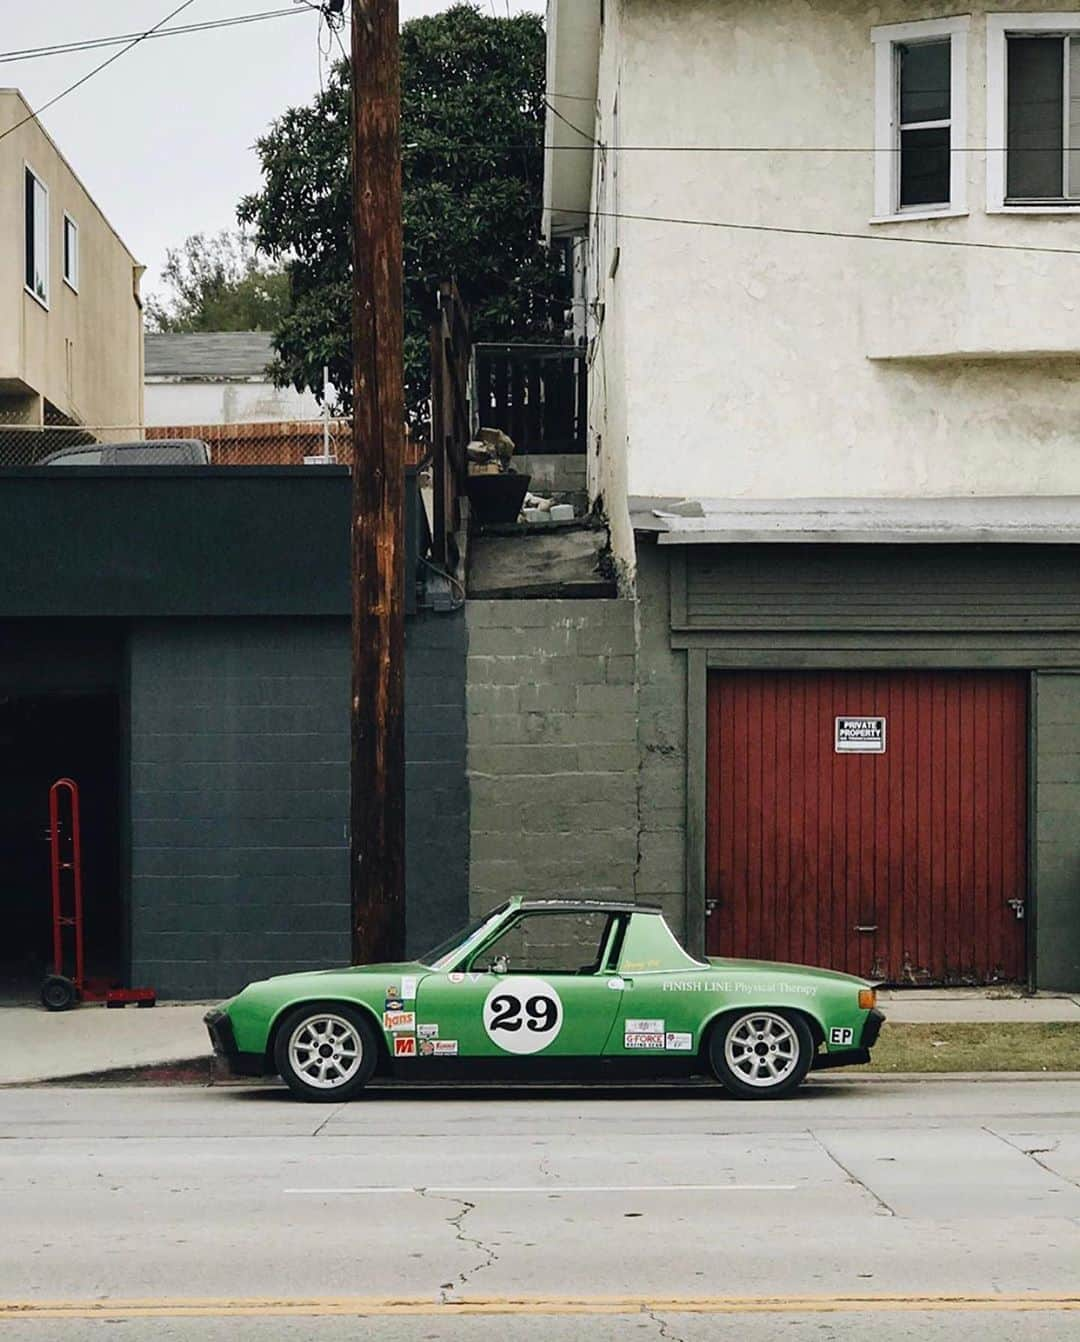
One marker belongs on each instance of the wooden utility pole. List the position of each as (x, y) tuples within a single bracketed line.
[(377, 810)]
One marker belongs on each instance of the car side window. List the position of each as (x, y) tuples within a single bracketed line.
[(549, 943)]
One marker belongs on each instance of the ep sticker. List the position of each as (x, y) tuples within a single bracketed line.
[(522, 1015), (841, 1036)]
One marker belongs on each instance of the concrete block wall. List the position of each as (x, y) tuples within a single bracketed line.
[(1056, 847), (436, 786), (239, 769), (661, 736), (552, 754)]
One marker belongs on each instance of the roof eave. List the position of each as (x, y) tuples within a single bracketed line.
[(573, 53)]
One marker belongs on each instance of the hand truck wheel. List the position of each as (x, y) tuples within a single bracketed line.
[(58, 993)]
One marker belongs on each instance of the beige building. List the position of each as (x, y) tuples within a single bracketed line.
[(70, 313)]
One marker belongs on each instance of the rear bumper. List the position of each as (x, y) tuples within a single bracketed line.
[(223, 1042), (853, 1057)]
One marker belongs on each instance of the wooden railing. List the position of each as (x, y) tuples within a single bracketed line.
[(535, 393), (450, 420)]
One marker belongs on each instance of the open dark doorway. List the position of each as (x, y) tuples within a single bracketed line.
[(43, 738)]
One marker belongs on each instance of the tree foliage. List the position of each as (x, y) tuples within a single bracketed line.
[(472, 136), (219, 284)]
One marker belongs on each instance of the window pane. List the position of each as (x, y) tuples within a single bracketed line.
[(1034, 140), (1074, 116), (925, 82), (924, 166), (551, 943), (40, 282), (28, 274), (71, 253)]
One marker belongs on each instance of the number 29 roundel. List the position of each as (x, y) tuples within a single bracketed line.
[(522, 1015)]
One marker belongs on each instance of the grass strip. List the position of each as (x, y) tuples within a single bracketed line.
[(1026, 1046)]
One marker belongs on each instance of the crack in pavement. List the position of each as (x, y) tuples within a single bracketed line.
[(1033, 1153), (490, 1253), (883, 1208), (662, 1325)]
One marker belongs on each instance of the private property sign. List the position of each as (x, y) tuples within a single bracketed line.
[(860, 736)]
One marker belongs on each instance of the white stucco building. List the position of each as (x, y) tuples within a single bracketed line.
[(833, 303), (218, 377)]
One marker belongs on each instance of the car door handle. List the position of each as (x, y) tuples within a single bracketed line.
[(620, 981)]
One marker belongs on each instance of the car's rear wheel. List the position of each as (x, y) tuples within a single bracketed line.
[(761, 1055), (326, 1053)]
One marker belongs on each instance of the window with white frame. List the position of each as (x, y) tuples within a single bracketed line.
[(920, 118), (37, 236), (71, 253), (1033, 111)]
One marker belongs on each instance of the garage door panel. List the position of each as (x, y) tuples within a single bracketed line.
[(897, 865)]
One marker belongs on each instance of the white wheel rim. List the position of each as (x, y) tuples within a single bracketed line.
[(325, 1050), (762, 1049)]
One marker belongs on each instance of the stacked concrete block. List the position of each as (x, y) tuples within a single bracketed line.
[(661, 875), (552, 726)]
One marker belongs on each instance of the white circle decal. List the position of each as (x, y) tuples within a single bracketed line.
[(522, 1015)]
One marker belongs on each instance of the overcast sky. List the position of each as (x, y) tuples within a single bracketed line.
[(163, 138)]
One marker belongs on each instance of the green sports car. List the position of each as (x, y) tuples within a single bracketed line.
[(540, 989)]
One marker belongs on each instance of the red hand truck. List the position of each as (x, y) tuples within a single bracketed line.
[(61, 991)]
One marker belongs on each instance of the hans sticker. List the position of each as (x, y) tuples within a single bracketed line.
[(677, 1042), (428, 1031), (399, 1020), (405, 1046), (654, 1039), (839, 1035)]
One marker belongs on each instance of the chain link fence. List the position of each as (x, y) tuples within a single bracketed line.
[(285, 443)]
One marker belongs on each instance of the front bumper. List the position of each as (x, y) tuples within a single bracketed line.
[(852, 1057), (223, 1042)]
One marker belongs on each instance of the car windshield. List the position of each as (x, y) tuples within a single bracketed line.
[(446, 952)]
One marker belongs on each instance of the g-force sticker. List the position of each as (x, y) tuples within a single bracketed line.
[(839, 1035), (399, 1020), (652, 1040)]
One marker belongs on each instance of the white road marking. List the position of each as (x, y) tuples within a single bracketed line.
[(548, 1188)]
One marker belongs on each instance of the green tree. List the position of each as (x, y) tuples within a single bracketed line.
[(472, 135), (219, 284)]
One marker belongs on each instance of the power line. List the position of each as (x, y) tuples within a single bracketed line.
[(94, 43), (32, 116), (821, 232)]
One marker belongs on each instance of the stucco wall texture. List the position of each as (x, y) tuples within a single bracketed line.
[(757, 364), (84, 352)]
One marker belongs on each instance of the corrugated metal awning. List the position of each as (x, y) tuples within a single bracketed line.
[(864, 521)]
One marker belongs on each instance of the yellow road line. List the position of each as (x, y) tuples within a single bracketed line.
[(367, 1306)]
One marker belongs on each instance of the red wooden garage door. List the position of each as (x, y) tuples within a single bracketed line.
[(897, 865)]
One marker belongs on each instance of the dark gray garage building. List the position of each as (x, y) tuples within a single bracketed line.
[(178, 643)]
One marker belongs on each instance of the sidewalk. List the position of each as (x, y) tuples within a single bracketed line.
[(38, 1045)]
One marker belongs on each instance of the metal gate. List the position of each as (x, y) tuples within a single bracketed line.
[(870, 822)]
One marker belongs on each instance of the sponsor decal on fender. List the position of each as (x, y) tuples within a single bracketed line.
[(456, 978), (405, 1046), (644, 1027), (393, 1004), (654, 1039), (839, 1035), (428, 1031), (445, 1048), (427, 1048), (677, 1042), (408, 987), (399, 1020)]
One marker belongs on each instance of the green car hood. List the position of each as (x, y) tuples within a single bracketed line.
[(391, 971)]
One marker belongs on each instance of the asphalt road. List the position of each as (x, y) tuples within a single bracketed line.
[(943, 1209)]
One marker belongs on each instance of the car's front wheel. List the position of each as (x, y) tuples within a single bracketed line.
[(326, 1053), (761, 1055)]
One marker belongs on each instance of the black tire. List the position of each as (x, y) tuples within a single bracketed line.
[(341, 1080), (761, 1055), (58, 993)]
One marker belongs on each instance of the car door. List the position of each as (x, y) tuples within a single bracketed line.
[(541, 987)]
